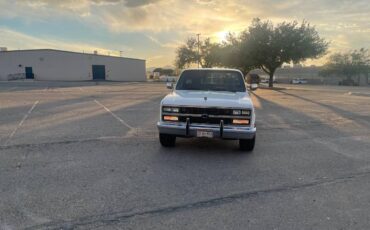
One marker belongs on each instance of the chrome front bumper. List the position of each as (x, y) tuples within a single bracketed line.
[(183, 129)]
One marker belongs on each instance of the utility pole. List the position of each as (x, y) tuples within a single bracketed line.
[(198, 51), (120, 53)]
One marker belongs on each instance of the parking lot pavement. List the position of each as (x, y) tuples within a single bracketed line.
[(86, 156), (355, 90)]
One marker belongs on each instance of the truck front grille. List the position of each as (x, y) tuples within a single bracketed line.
[(201, 120), (209, 111), (207, 115)]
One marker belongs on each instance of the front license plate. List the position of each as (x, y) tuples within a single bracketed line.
[(201, 133)]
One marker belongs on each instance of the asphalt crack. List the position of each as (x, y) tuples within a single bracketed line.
[(116, 217)]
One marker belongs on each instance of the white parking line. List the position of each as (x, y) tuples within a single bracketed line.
[(21, 122), (8, 89), (114, 115), (11, 89)]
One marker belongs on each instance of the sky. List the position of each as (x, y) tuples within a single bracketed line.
[(153, 29)]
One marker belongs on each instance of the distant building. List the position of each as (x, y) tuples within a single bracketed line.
[(57, 65), (286, 75), (311, 74)]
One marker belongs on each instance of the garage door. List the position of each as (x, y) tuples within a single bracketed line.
[(98, 72)]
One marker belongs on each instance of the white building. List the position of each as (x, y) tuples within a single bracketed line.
[(57, 65)]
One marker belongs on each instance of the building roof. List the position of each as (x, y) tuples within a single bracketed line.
[(72, 52)]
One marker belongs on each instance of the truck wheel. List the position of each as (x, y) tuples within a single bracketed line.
[(167, 140), (247, 144)]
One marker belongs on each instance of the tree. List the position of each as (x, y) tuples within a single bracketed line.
[(187, 53), (350, 64), (262, 45), (162, 71), (268, 47), (209, 54), (236, 55)]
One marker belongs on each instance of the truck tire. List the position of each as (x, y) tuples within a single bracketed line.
[(167, 140), (247, 144)]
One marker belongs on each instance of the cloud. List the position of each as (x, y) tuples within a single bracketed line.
[(165, 45), (15, 40), (344, 22), (205, 16), (136, 3)]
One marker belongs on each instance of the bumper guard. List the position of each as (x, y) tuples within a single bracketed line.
[(185, 129)]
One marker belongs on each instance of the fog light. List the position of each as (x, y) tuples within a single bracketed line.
[(240, 122), (170, 118)]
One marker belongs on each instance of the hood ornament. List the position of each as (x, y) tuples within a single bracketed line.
[(205, 98)]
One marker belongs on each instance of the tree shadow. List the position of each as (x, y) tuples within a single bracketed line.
[(362, 119)]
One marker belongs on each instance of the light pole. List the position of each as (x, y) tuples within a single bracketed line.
[(198, 51)]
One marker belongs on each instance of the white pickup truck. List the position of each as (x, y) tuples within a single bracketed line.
[(208, 103)]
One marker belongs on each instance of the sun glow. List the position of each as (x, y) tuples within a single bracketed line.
[(221, 36)]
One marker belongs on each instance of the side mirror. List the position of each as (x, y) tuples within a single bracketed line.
[(254, 86), (169, 85)]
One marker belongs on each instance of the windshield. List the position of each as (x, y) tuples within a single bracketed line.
[(211, 80)]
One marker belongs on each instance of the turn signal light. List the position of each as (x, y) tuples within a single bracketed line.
[(241, 121), (170, 118)]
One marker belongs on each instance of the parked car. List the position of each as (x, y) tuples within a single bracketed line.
[(348, 82), (168, 78), (252, 81), (267, 80), (208, 103), (264, 80), (298, 81)]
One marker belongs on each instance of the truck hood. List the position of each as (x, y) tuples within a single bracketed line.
[(208, 99)]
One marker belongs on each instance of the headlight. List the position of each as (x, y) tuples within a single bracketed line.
[(168, 109), (246, 112), (237, 112)]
